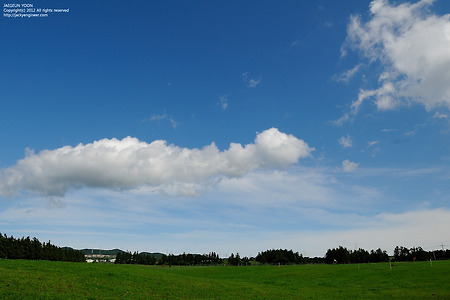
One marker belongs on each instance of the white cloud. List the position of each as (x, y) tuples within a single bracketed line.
[(130, 163), (346, 141), (439, 115), (347, 75), (159, 118), (371, 143), (173, 122), (413, 47), (295, 43), (328, 24), (349, 166), (253, 83), (345, 117), (223, 102)]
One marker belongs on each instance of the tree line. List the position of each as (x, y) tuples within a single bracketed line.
[(417, 253), (285, 257), (181, 260), (280, 256), (135, 258), (339, 255), (27, 248), (343, 255), (33, 249)]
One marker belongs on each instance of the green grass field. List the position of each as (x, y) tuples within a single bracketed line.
[(21, 279)]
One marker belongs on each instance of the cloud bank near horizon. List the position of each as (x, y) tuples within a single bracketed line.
[(130, 163)]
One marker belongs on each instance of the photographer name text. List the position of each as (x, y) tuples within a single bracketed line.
[(28, 10)]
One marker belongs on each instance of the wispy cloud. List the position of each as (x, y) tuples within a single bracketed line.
[(439, 115), (349, 166), (223, 102), (159, 118), (251, 82), (346, 141), (347, 75), (318, 208), (345, 118), (410, 173), (370, 145), (294, 43), (328, 24)]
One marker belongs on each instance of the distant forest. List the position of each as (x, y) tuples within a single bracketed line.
[(33, 249), (340, 255), (26, 248)]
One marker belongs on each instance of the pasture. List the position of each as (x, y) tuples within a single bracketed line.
[(22, 279)]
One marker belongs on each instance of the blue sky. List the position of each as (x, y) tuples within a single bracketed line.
[(227, 126)]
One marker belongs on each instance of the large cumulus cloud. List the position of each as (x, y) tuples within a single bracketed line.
[(413, 47), (130, 163)]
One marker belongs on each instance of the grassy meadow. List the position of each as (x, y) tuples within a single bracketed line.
[(22, 279)]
